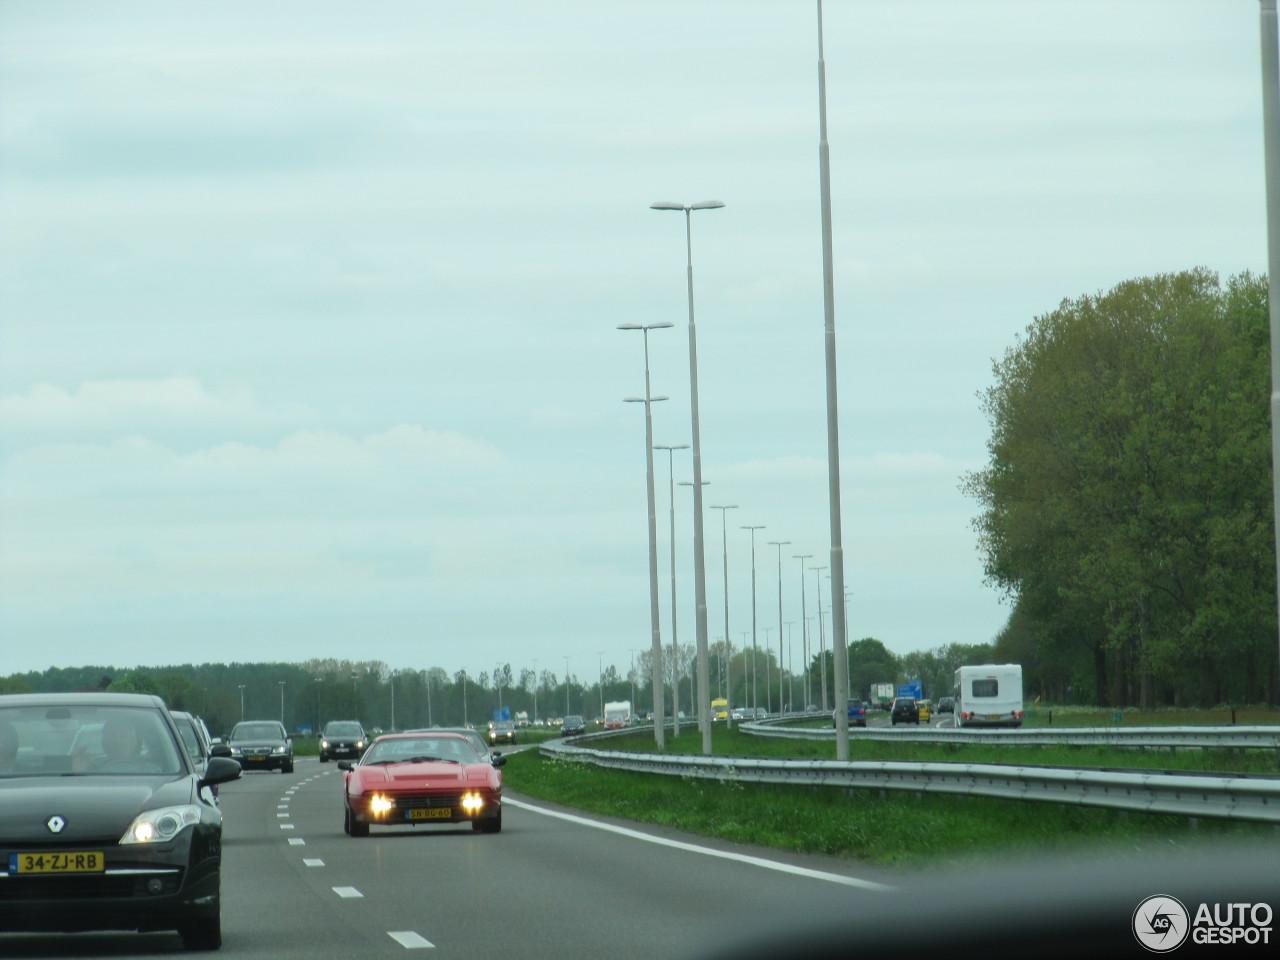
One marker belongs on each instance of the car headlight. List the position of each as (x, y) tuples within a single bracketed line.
[(378, 804), (235, 751), (324, 744), (161, 825), (472, 802), (279, 749), (359, 744)]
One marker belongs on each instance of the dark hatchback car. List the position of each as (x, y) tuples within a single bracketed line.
[(105, 823), (261, 745), (501, 731), (342, 740), (573, 726), (904, 710)]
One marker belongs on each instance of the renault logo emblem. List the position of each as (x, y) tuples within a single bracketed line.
[(55, 824)]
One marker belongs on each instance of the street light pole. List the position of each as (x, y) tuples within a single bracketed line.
[(659, 731), (242, 701), (833, 416), (791, 669), (600, 679), (282, 683), (675, 647), (804, 629), (755, 697), (780, 544), (699, 567), (566, 684), (728, 664), (822, 634), (1270, 51), (536, 715)]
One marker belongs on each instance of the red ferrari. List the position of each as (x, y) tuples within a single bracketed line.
[(421, 778)]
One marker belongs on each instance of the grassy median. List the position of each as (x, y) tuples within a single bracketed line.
[(886, 828)]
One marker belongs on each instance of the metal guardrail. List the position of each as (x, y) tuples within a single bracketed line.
[(1237, 737), (1232, 798)]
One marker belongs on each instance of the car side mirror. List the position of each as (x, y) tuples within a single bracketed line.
[(220, 750), (499, 760), (345, 765), (220, 770)]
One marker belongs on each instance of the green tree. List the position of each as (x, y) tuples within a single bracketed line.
[(1127, 505)]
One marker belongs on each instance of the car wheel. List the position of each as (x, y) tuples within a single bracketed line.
[(492, 825), (354, 827), (287, 768), (202, 934), (323, 758)]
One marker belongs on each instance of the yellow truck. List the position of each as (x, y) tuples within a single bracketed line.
[(719, 709)]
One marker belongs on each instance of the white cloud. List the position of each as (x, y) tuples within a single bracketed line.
[(137, 406)]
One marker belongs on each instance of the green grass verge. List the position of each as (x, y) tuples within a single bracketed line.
[(886, 828)]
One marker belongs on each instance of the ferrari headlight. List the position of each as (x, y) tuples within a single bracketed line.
[(161, 825), (472, 802), (378, 804)]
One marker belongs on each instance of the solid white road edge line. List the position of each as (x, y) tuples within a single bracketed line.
[(410, 940), (706, 851)]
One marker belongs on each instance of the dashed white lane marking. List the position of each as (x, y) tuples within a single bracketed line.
[(706, 851), (313, 863), (282, 816), (297, 842), (286, 826), (348, 893), (410, 940)]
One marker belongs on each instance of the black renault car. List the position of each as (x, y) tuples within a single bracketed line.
[(104, 820), (261, 745)]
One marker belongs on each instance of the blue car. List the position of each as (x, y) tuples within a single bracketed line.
[(857, 713)]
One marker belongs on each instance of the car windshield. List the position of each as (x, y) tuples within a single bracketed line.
[(451, 749), (86, 741), (343, 730), (257, 731)]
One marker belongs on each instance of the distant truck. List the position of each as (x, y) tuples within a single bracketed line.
[(522, 718), (617, 714), (989, 695), (882, 695), (719, 709)]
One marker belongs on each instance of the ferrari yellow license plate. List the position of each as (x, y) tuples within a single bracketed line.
[(434, 813), (83, 862)]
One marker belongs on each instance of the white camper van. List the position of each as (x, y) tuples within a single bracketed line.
[(989, 695)]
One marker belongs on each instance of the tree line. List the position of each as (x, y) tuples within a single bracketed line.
[(1127, 507), (305, 696)]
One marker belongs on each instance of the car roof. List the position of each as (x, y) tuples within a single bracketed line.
[(90, 699)]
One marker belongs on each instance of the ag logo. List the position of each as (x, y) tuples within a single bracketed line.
[(55, 824), (1161, 923)]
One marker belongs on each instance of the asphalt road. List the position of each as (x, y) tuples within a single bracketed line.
[(552, 885)]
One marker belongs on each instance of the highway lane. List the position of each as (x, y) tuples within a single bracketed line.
[(553, 885)]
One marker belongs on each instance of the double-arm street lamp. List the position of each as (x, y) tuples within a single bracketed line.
[(675, 643), (780, 544), (804, 628), (659, 731), (822, 635), (728, 663), (755, 703), (699, 569)]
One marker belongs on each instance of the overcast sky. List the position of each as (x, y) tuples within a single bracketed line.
[(308, 309)]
